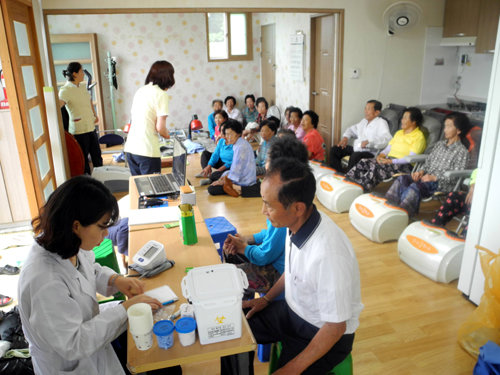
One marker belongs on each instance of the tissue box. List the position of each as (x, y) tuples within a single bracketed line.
[(188, 195)]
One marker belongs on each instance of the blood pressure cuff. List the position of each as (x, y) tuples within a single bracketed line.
[(155, 271)]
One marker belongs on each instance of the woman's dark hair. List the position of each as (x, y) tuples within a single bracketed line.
[(288, 147), (296, 110), (161, 73), (233, 125), (262, 100), (222, 113), (216, 101), (286, 133), (462, 123), (270, 123), (251, 97), (299, 184), (73, 67), (415, 115), (81, 198), (229, 98), (314, 117)]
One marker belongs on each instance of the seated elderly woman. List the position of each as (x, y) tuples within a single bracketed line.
[(220, 116), (409, 140), (220, 161), (232, 111), (312, 139), (448, 154), (268, 129), (242, 172), (295, 119)]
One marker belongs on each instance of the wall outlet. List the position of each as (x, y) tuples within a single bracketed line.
[(354, 73)]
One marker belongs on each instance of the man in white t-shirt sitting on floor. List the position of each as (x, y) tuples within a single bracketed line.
[(320, 313)]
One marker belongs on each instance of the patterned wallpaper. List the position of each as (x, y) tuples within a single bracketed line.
[(137, 40)]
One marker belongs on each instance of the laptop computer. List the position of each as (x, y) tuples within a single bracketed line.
[(166, 184)]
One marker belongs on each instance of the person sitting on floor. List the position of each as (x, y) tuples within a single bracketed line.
[(216, 106), (295, 120), (262, 256), (249, 113), (268, 129), (220, 118), (370, 135), (448, 154), (262, 107), (242, 172), (408, 141), (312, 139), (220, 161), (232, 111)]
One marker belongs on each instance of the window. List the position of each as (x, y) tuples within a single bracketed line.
[(229, 36)]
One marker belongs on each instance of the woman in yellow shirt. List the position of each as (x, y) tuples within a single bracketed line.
[(82, 116), (408, 141)]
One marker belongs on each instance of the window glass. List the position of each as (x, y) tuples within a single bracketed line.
[(238, 34), (217, 36)]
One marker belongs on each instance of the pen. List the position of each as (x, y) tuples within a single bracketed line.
[(169, 302)]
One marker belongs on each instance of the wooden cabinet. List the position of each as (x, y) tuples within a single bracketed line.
[(461, 18), (488, 25)]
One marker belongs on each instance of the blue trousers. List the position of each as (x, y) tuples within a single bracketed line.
[(140, 165)]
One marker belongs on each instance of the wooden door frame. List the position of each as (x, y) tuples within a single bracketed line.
[(34, 193), (337, 72), (261, 72)]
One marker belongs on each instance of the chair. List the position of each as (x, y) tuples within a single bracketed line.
[(75, 155), (105, 255), (343, 368)]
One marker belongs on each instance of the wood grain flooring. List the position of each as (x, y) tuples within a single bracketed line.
[(409, 324)]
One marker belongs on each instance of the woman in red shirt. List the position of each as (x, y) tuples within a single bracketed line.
[(312, 139)]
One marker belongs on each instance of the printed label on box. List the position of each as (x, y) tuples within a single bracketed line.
[(221, 330)]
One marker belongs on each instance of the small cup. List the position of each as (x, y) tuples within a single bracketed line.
[(186, 329), (164, 331), (140, 319), (187, 310)]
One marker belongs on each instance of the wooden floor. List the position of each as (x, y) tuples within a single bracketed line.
[(409, 323)]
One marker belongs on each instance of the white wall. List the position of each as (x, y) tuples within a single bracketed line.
[(438, 81), (391, 68)]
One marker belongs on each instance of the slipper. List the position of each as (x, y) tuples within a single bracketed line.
[(9, 270), (4, 300)]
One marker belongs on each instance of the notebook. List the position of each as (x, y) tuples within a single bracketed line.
[(166, 184)]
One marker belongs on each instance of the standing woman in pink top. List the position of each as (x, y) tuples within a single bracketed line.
[(312, 139)]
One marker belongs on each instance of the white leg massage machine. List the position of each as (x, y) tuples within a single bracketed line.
[(319, 169), (336, 193), (431, 250), (376, 219)]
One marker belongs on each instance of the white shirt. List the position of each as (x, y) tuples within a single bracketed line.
[(235, 114), (60, 315), (321, 274), (149, 102), (376, 132)]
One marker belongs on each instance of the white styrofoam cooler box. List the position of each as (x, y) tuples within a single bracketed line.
[(319, 170), (377, 220), (336, 193), (216, 292), (432, 251)]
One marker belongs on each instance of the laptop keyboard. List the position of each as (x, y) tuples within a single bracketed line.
[(162, 183)]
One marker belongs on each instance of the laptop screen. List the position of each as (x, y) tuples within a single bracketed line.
[(179, 162)]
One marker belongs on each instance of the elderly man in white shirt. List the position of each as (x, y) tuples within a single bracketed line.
[(317, 319), (370, 135)]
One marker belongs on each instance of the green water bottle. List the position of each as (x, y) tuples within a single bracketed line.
[(187, 224)]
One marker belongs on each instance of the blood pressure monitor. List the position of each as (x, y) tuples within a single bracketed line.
[(151, 255)]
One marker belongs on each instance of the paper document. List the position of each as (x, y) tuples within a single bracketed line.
[(153, 215), (162, 294)]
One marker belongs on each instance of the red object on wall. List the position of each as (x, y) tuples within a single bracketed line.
[(4, 103)]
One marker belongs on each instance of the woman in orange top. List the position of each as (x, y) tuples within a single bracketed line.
[(312, 139)]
